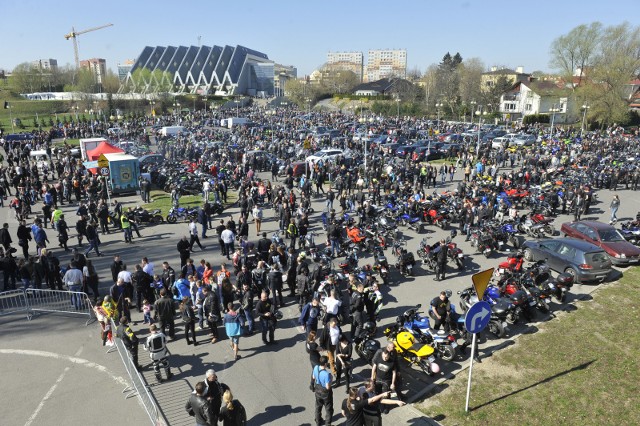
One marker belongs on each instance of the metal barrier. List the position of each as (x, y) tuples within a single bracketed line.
[(14, 301), (61, 301), (139, 385)]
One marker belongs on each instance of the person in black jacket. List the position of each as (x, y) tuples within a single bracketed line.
[(5, 237), (211, 311), (92, 236), (142, 282), (184, 249), (263, 247), (441, 259), (166, 312), (221, 227), (129, 339), (266, 311), (199, 407), (24, 236), (274, 283)]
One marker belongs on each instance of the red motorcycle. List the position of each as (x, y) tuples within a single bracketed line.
[(436, 215), (513, 264), (546, 222)]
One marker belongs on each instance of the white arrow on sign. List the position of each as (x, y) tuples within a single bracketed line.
[(480, 316)]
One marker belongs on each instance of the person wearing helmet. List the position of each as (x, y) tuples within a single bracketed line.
[(440, 311)]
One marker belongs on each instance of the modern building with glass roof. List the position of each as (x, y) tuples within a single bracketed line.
[(202, 69)]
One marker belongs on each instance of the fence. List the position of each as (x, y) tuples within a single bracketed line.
[(139, 385), (14, 301), (60, 301), (33, 301)]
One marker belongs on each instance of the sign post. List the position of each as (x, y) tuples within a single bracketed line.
[(475, 321)]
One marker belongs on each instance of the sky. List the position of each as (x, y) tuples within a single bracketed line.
[(300, 33)]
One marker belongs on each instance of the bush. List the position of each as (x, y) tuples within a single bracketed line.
[(535, 118)]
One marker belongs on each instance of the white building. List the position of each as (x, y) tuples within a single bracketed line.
[(386, 63), (539, 97), (348, 61), (45, 64)]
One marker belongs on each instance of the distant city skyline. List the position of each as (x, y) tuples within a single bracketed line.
[(301, 33)]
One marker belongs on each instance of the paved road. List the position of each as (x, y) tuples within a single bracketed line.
[(272, 382)]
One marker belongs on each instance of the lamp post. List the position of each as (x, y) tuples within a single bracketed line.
[(585, 107), (152, 103), (473, 107), (93, 132), (553, 110), (308, 101), (398, 112), (480, 112), (439, 105), (75, 109), (176, 110)]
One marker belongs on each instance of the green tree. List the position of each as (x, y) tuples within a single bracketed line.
[(449, 80), (576, 50)]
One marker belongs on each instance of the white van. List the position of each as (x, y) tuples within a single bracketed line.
[(41, 157)]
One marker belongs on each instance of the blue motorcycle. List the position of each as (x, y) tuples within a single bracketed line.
[(442, 342), (176, 213)]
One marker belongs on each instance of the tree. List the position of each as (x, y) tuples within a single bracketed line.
[(576, 50), (493, 94), (470, 77), (27, 78), (338, 81), (448, 78), (110, 82)]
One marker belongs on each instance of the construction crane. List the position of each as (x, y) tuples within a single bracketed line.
[(74, 35)]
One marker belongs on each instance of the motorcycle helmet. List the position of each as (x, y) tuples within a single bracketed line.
[(302, 255), (279, 315), (369, 327), (448, 293), (454, 233), (435, 368)]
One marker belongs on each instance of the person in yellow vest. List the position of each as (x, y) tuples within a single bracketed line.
[(126, 228), (55, 217)]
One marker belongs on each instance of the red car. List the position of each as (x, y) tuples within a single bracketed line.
[(621, 252)]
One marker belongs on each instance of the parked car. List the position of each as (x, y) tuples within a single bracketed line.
[(405, 151), (583, 260), (621, 252), (524, 140), (425, 153), (150, 159), (325, 155)]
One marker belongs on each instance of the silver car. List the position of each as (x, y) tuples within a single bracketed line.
[(583, 260)]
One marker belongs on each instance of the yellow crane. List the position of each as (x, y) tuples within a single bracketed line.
[(74, 35)]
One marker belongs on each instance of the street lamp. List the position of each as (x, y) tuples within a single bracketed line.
[(398, 105), (585, 107), (176, 110), (93, 132), (553, 110), (473, 107), (75, 109), (152, 103), (308, 101), (480, 112), (438, 106)]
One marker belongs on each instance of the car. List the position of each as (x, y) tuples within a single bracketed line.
[(325, 155), (149, 159), (389, 147), (583, 260), (621, 252), (524, 140), (404, 151)]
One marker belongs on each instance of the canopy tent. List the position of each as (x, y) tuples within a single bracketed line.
[(103, 148)]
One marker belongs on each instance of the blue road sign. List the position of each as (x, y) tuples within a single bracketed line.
[(477, 317)]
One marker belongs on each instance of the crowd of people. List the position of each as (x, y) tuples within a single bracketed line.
[(245, 292)]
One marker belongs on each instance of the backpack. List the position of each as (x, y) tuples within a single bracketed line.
[(242, 414)]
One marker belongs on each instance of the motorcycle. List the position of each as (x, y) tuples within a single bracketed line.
[(513, 264), (404, 260), (365, 346), (444, 343), (381, 264), (144, 216), (546, 222), (500, 310), (176, 213), (421, 355), (527, 226), (631, 232)]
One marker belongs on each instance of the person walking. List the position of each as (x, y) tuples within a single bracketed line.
[(156, 344), (232, 412), (266, 311), (246, 304), (257, 214), (92, 237), (228, 238), (441, 259), (292, 232), (323, 392), (614, 206), (166, 312), (189, 319), (130, 340), (193, 232), (199, 407), (73, 279), (233, 328)]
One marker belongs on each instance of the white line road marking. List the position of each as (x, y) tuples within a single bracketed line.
[(46, 397), (75, 360)]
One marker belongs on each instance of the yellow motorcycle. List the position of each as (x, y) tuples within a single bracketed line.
[(415, 353)]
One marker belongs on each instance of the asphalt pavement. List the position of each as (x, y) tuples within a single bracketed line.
[(272, 382)]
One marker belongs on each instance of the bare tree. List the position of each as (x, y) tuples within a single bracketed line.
[(576, 50)]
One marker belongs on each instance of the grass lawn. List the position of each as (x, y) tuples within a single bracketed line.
[(162, 200), (579, 369), (72, 142)]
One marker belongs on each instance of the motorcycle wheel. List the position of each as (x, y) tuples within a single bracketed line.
[(460, 264), (443, 224), (549, 229), (542, 307), (448, 353), (157, 219), (487, 253), (512, 318), (515, 242), (172, 219), (424, 366), (496, 328)]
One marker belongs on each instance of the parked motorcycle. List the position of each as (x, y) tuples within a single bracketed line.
[(145, 216), (182, 213), (444, 343), (421, 355), (365, 345)]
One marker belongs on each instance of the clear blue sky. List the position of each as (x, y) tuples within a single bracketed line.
[(301, 33)]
